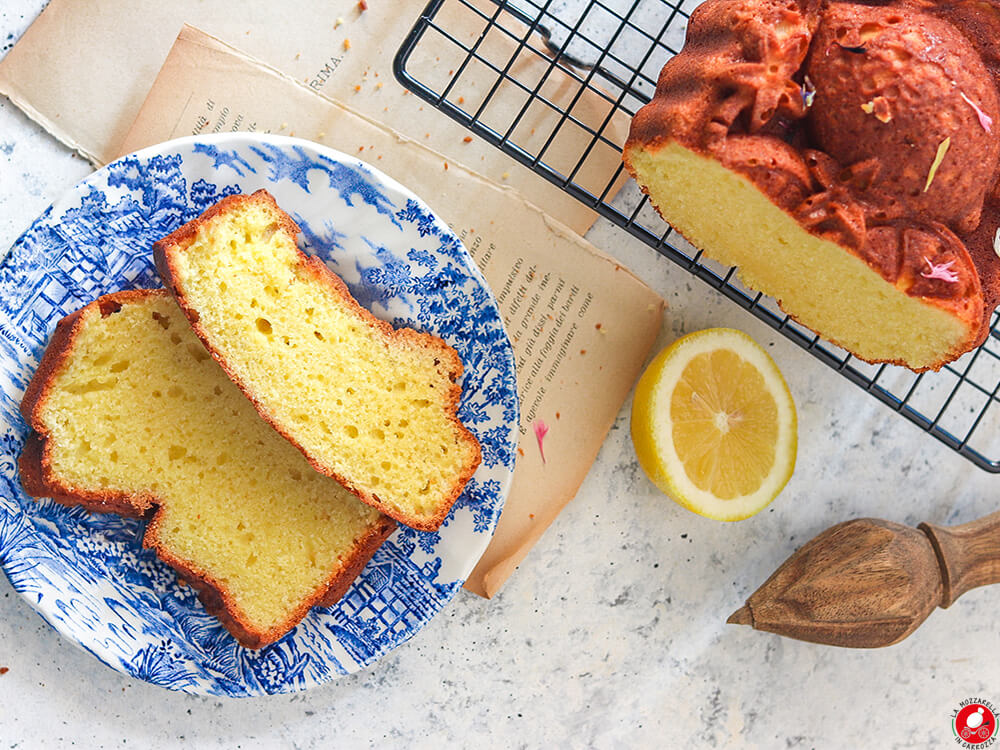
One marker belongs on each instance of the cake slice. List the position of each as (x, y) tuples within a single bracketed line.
[(372, 406), (828, 286), (132, 416)]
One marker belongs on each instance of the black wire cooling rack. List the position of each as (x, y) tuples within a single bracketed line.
[(501, 57)]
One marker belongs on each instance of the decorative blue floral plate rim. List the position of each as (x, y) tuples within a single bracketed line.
[(87, 574)]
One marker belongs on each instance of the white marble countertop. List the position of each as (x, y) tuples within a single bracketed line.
[(612, 633)]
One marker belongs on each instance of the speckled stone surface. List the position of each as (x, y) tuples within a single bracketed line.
[(612, 633)]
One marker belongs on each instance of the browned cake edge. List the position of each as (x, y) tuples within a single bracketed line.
[(167, 249), (38, 480), (977, 323)]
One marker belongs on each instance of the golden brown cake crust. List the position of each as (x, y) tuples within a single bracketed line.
[(38, 481), (874, 125), (34, 464), (165, 252), (218, 602)]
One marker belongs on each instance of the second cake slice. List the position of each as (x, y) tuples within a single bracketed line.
[(373, 406)]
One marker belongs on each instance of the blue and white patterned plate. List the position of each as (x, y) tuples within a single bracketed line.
[(87, 574)]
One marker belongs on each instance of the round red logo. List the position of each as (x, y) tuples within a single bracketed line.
[(975, 724)]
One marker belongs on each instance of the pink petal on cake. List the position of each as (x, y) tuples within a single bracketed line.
[(941, 271), (984, 119)]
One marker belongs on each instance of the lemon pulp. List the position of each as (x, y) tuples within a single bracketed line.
[(714, 424)]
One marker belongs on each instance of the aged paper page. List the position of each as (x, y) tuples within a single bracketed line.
[(83, 69), (580, 324)]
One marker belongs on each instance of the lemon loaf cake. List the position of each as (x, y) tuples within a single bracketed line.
[(373, 406), (132, 416), (845, 157)]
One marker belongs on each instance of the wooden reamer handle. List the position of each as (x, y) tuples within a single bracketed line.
[(969, 554)]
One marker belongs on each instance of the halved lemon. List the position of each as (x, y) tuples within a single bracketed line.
[(714, 424)]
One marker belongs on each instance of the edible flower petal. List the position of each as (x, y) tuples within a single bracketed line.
[(984, 119), (940, 271), (941, 151), (808, 92), (541, 430)]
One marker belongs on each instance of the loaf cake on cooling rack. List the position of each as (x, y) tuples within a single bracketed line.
[(132, 416), (846, 158), (373, 406)]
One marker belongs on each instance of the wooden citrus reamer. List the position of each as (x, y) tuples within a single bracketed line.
[(870, 583)]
